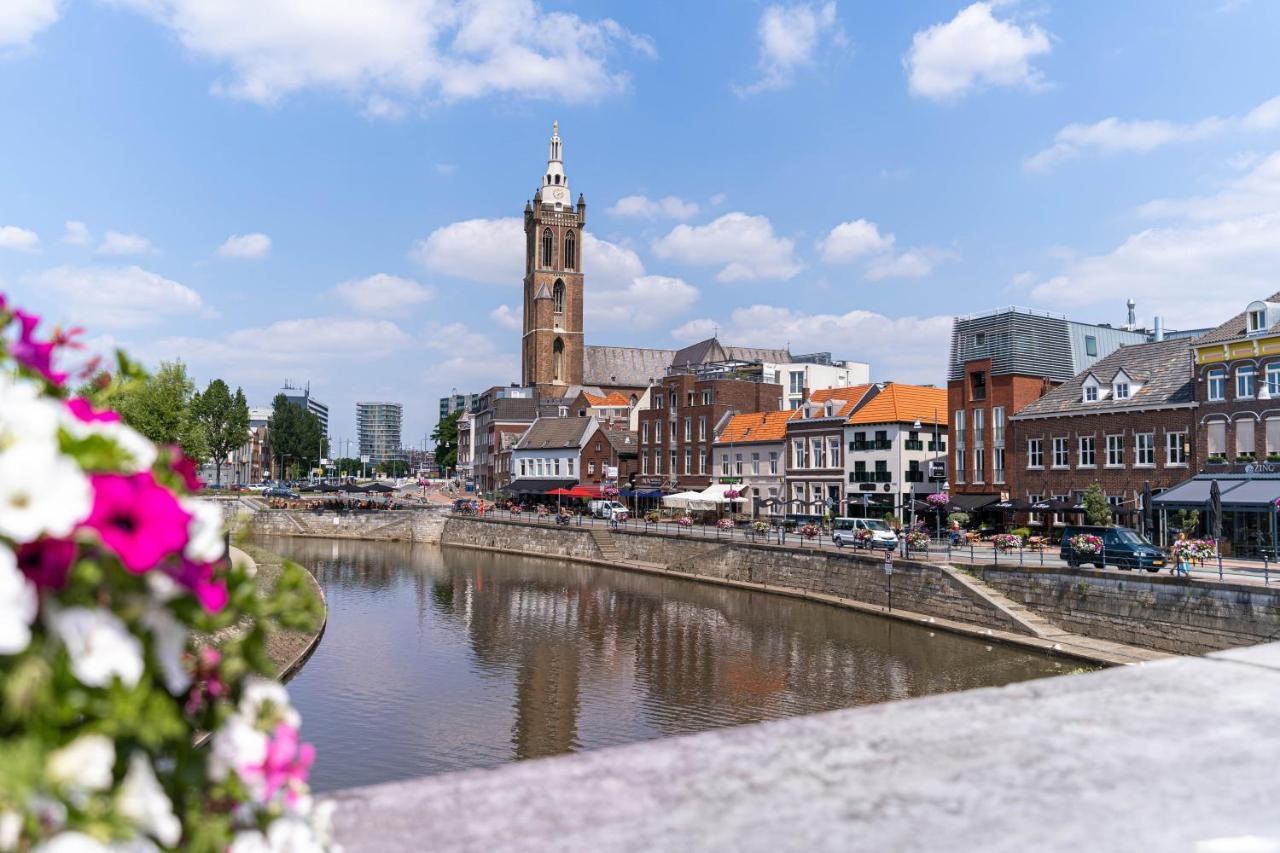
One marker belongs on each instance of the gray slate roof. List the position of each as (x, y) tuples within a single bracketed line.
[(554, 434), (622, 441), (624, 366), (1236, 327), (1163, 368)]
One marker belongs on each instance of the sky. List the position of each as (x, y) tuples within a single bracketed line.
[(331, 192)]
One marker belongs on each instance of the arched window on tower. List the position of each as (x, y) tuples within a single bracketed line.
[(570, 251), (557, 360), (557, 296), (546, 247)]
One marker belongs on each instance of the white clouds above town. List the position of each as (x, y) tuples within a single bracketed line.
[(120, 243), (246, 247), (76, 233), (862, 241), (643, 207), (384, 52), (382, 294), (490, 251), (119, 297), (791, 37), (18, 239), (1212, 255), (904, 349), (1116, 136), (21, 20), (974, 49), (744, 247), (646, 302), (471, 359), (505, 318)]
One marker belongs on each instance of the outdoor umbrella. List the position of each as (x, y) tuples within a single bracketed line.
[(559, 493), (1215, 511), (378, 488), (1148, 511), (1013, 505)]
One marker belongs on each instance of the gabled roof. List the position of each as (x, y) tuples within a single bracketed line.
[(555, 434), (897, 404), (1236, 327), (612, 400), (1166, 380), (622, 441), (628, 367), (755, 426), (849, 399), (711, 351)]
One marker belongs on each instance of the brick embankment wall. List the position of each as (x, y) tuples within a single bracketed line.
[(917, 587), (1154, 611), (409, 525)]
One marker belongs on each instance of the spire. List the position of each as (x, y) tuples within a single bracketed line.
[(555, 184)]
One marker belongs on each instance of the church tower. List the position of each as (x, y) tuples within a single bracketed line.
[(552, 347)]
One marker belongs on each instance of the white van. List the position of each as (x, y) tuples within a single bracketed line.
[(608, 509), (844, 531)]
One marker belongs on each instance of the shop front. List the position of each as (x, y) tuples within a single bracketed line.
[(1247, 524)]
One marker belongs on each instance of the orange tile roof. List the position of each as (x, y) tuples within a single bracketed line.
[(897, 404), (609, 401), (849, 399), (755, 426)]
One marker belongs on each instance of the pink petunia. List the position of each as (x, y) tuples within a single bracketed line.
[(33, 354), (185, 467), (86, 413), (137, 518), (198, 577), (285, 765), (47, 561)]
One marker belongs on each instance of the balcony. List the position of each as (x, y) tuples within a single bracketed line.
[(938, 446), (910, 444), (871, 477), (877, 444), (915, 477)]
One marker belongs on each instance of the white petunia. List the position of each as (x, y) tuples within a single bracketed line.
[(99, 644), (141, 452), (84, 764), (235, 745), (284, 835), (258, 693), (204, 533), (10, 830), (27, 420), (143, 801), (42, 493), (72, 842), (168, 643), (18, 604)]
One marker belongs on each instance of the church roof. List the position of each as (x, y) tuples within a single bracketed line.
[(627, 367), (711, 351)]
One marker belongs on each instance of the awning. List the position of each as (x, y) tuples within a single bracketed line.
[(969, 503), (716, 493), (640, 493), (688, 500), (1195, 493), (531, 486), (586, 492), (1255, 494), (1013, 505)]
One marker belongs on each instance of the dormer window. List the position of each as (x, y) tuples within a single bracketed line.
[(1091, 393), (1257, 320), (1121, 391)]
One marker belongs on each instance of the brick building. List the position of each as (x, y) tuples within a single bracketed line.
[(815, 475), (504, 413), (679, 427), (1127, 421), (612, 448)]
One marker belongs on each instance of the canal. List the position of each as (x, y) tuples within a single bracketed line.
[(448, 659)]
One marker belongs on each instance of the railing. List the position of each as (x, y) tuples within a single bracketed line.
[(911, 444), (875, 444), (871, 477)]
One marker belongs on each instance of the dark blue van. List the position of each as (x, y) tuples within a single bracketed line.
[(1122, 547)]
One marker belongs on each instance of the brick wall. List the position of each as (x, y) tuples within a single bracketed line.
[(1013, 393)]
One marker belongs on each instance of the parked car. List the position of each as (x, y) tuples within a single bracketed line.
[(608, 509), (1122, 547), (845, 531), (280, 492)]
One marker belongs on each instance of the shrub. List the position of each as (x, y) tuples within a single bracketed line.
[(960, 518), (1021, 532)]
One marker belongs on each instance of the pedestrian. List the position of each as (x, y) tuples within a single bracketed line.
[(1183, 564)]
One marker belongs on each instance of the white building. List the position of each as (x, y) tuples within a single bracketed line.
[(819, 375), (890, 443), (548, 454), (750, 452)]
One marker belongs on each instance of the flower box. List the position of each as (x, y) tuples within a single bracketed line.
[(1086, 543), (1006, 541)]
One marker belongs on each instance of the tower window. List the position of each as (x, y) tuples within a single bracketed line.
[(546, 247), (557, 296), (557, 179), (557, 360), (570, 251)]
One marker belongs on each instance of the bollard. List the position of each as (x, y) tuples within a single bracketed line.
[(1266, 572), (971, 557), (1020, 556), (1219, 565), (995, 554)]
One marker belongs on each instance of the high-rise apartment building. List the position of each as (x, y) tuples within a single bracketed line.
[(301, 397), (378, 429)]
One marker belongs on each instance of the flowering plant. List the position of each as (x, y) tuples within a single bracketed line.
[(1007, 541), (1195, 549), (1086, 543), (109, 570), (760, 526), (731, 494), (938, 500), (724, 524), (609, 491), (863, 536), (684, 521), (653, 516), (809, 531), (917, 540)]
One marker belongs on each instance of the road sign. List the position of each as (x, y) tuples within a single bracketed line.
[(888, 562), (364, 460)]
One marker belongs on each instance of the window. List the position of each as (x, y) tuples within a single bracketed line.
[(958, 419), (557, 297), (1244, 437), (1120, 391), (819, 454), (1091, 393), (755, 463), (644, 432), (1217, 384), (797, 382), (1257, 320), (1244, 381), (1273, 379), (1035, 453), (706, 397), (737, 464), (1144, 444), (1091, 346), (1175, 446), (541, 472), (673, 461), (591, 466), (702, 461), (834, 449), (997, 426), (979, 340), (773, 461), (959, 466), (797, 453), (570, 251), (1061, 455), (1216, 438), (997, 465), (644, 463), (979, 463), (673, 399), (657, 462), (556, 466), (977, 385), (1088, 451), (689, 399), (522, 468), (1273, 436), (1115, 451), (688, 460), (546, 247), (688, 429), (979, 427), (557, 360), (657, 432), (702, 428)]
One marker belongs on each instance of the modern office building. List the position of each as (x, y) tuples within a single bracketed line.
[(378, 429), (458, 403), (301, 397)]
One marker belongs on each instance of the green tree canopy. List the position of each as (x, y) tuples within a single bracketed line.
[(224, 420), (1096, 509), (446, 438), (159, 407), (296, 435)]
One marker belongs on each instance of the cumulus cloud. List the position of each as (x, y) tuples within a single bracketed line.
[(790, 38), (1212, 255), (382, 52), (744, 246), (21, 20), (506, 318), (119, 297), (76, 233), (118, 243), (484, 250), (18, 239), (903, 349), (644, 303), (471, 359), (974, 49), (382, 294), (643, 207), (1116, 136), (246, 246), (860, 240)]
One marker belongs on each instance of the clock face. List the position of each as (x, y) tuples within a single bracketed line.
[(558, 192)]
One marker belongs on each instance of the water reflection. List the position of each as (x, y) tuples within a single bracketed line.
[(439, 660)]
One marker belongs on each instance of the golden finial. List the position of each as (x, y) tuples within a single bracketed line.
[(555, 128)]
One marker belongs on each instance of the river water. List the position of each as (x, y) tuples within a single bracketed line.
[(439, 659)]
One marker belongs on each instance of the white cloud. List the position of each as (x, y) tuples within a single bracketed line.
[(790, 37), (506, 318), (1213, 255), (853, 240), (718, 199), (246, 246), (903, 349), (119, 297), (18, 239), (916, 263), (745, 245), (304, 342), (382, 294), (380, 52), (117, 243), (76, 234), (1115, 135), (668, 207), (21, 20), (484, 250), (644, 303), (973, 49), (471, 359)]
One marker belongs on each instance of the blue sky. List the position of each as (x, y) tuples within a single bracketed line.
[(330, 191)]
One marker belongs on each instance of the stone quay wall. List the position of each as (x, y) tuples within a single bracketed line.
[(1156, 611), (397, 525)]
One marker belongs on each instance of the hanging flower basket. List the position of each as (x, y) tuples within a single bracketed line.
[(809, 531), (653, 516), (938, 500), (1086, 543), (760, 527), (1007, 541), (684, 521), (917, 540), (609, 492), (1195, 550), (724, 524), (732, 494), (863, 537)]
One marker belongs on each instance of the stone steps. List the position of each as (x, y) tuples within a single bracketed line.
[(606, 545)]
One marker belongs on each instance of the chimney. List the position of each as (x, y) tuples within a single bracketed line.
[(1133, 317), (1158, 328)]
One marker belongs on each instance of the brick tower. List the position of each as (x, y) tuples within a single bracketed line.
[(551, 350)]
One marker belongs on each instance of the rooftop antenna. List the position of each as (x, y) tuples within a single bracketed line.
[(1133, 316)]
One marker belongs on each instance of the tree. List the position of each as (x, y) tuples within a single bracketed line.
[(296, 435), (159, 407), (394, 467), (446, 438), (224, 419), (1096, 509)]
